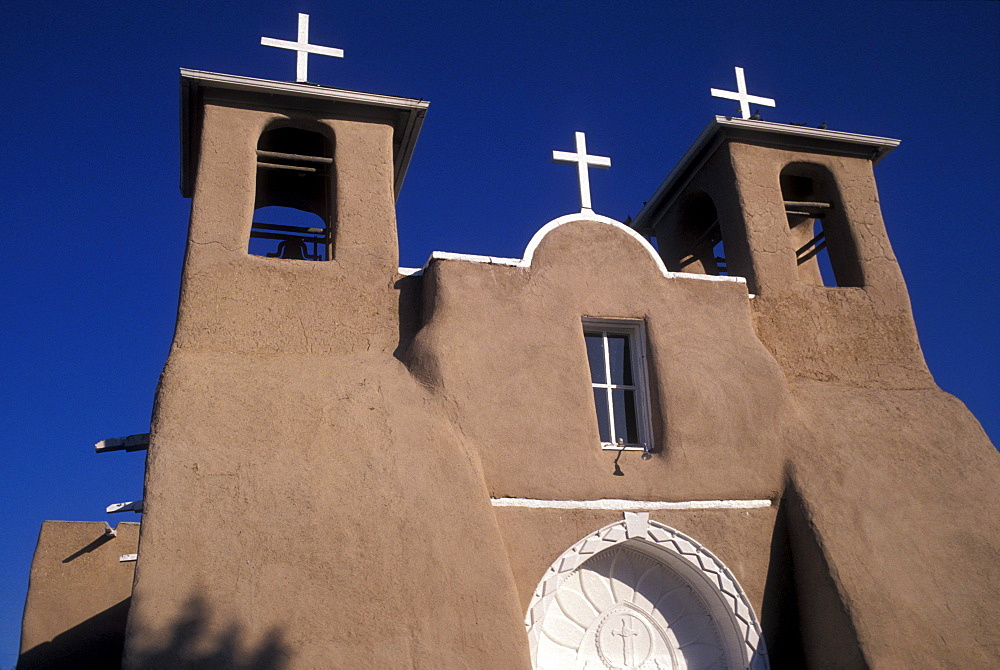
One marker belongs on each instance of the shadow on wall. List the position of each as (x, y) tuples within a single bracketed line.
[(98, 643), (804, 620), (779, 617), (94, 644), (410, 302), (187, 646), (99, 542)]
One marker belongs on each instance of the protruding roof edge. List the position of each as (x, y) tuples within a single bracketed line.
[(778, 135), (408, 114)]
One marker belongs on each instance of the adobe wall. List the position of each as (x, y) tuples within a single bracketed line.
[(894, 468), (815, 332), (231, 301), (879, 483), (78, 595), (311, 499), (504, 346), (307, 503), (900, 488)]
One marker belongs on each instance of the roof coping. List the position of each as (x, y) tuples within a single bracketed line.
[(778, 135), (407, 113)]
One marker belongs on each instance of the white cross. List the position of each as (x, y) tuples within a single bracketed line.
[(628, 645), (583, 162), (302, 49), (742, 95)]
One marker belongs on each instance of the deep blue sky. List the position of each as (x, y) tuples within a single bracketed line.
[(96, 225)]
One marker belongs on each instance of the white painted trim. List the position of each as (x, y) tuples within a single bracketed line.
[(885, 144), (238, 83), (128, 558), (635, 330), (682, 553), (409, 272), (620, 505), (529, 251), (473, 258)]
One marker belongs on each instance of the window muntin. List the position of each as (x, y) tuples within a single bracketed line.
[(616, 355)]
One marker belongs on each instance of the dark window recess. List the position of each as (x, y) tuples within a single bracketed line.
[(293, 208)]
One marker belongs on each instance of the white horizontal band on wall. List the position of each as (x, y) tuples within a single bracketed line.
[(617, 504)]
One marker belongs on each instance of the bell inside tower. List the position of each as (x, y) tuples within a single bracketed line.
[(293, 204)]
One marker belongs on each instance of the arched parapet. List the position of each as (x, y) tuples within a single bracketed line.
[(639, 594), (539, 237)]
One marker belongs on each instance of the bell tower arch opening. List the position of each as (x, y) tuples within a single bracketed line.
[(825, 250), (699, 228), (690, 237), (294, 200)]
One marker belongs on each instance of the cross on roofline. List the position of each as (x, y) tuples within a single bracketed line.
[(302, 49), (742, 95), (583, 162)]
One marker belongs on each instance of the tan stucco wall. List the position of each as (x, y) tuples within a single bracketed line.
[(895, 476), (331, 515), (903, 497), (78, 595), (535, 538), (503, 348), (852, 335)]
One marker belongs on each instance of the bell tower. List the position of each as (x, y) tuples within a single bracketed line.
[(796, 212), (290, 452), (293, 191)]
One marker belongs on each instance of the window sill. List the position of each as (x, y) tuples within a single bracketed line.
[(622, 447)]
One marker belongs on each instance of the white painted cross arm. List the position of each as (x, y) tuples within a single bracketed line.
[(583, 163), (302, 49), (742, 96)]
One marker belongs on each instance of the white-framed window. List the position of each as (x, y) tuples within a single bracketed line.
[(616, 351)]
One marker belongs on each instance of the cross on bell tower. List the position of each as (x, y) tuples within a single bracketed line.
[(742, 96), (302, 49)]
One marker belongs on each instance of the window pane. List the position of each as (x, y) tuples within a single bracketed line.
[(603, 424), (618, 352), (631, 418), (595, 354), (627, 371), (625, 417)]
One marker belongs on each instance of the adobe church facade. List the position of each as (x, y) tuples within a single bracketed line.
[(600, 455)]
